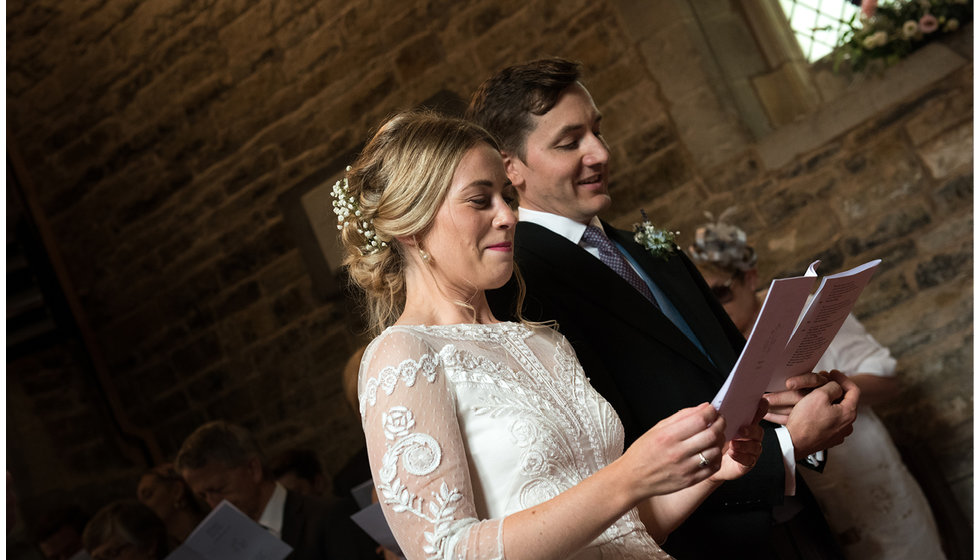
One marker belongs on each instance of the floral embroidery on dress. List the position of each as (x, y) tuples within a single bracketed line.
[(420, 455), (531, 425)]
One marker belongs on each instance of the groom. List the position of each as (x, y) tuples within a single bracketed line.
[(648, 333)]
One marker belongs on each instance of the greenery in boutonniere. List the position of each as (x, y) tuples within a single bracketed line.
[(887, 32), (659, 242)]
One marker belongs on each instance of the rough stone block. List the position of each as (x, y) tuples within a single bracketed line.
[(418, 56), (954, 195), (938, 115), (200, 353), (891, 175), (943, 268), (890, 227), (239, 298), (951, 153)]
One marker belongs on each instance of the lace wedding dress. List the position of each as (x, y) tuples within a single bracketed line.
[(466, 424)]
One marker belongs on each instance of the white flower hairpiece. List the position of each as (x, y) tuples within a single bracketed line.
[(659, 242), (348, 212)]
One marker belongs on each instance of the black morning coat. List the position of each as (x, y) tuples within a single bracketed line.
[(648, 369)]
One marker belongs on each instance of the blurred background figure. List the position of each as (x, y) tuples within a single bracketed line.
[(126, 530), (299, 470), (59, 533), (166, 493), (871, 501), (222, 461), (357, 469)]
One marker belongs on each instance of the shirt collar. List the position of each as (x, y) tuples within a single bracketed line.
[(272, 515), (565, 227)]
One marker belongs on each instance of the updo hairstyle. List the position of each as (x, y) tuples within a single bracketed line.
[(399, 182)]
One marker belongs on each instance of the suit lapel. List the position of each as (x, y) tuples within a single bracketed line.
[(680, 281), (290, 529), (581, 273)]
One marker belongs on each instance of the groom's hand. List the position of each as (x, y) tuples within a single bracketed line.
[(825, 416)]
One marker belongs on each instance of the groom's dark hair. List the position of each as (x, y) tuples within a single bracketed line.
[(503, 104)]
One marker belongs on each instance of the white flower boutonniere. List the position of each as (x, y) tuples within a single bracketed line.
[(659, 242)]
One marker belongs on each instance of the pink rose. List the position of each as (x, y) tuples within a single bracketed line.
[(868, 8), (928, 23)]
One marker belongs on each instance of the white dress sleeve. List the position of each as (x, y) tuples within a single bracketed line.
[(418, 460)]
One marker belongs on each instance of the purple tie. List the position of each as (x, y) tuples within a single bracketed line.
[(610, 255)]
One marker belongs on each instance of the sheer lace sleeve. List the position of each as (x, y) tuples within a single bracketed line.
[(417, 456)]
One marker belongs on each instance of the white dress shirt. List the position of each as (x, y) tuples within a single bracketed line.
[(272, 515)]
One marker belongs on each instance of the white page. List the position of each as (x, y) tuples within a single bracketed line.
[(372, 520), (362, 493), (773, 349), (228, 534), (820, 322), (739, 396)]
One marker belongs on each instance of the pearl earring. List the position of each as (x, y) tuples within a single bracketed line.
[(425, 256)]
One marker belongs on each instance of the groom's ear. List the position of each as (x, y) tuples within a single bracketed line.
[(515, 170)]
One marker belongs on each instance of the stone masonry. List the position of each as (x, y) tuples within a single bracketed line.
[(159, 136)]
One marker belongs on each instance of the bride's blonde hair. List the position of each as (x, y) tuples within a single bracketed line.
[(399, 181)]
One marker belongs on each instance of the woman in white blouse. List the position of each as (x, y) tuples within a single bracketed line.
[(870, 500), (485, 438)]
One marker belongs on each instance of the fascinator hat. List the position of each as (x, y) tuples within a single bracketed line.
[(722, 244)]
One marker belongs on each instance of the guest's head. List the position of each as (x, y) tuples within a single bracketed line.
[(728, 264), (433, 203), (549, 130), (222, 461), (125, 530), (299, 470), (58, 534), (165, 492)]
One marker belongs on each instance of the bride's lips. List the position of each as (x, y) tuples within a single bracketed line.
[(504, 246)]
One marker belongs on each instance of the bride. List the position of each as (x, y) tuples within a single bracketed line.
[(485, 438)]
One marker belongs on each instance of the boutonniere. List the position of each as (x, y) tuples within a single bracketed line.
[(659, 242)]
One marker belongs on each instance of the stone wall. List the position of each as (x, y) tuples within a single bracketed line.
[(160, 137)]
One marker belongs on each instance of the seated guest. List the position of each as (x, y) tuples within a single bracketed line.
[(872, 503), (485, 438), (299, 470), (126, 530), (222, 461), (163, 490), (59, 533)]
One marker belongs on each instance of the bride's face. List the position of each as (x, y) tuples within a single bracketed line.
[(471, 241)]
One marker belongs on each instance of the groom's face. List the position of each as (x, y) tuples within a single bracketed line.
[(565, 167)]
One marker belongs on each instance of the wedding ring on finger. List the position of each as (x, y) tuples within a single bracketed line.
[(704, 460)]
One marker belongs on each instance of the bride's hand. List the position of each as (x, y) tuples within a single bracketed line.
[(668, 457), (741, 453)]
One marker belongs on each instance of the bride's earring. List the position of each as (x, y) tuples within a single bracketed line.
[(425, 256)]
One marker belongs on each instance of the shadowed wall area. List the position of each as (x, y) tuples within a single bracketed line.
[(157, 150)]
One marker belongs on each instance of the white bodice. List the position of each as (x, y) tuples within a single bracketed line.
[(466, 424)]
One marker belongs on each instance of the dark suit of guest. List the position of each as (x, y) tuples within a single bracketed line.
[(648, 369), (320, 529)]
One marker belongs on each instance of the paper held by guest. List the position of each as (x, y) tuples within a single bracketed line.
[(228, 534), (788, 340)]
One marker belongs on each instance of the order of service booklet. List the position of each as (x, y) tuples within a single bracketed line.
[(788, 340), (228, 534)]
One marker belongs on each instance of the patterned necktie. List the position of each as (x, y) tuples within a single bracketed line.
[(610, 255)]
